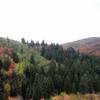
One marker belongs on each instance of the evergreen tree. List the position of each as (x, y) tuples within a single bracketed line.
[(23, 41), (15, 57)]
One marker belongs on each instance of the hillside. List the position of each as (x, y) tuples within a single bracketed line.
[(15, 58), (16, 45), (87, 46), (33, 71)]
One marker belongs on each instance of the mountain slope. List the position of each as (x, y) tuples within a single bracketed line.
[(23, 52), (87, 46)]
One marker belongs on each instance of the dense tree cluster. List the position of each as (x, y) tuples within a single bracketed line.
[(33, 44), (8, 60), (53, 51), (24, 73), (68, 71)]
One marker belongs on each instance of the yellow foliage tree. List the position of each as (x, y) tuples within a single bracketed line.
[(7, 88)]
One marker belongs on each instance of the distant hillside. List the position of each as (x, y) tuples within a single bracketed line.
[(88, 45)]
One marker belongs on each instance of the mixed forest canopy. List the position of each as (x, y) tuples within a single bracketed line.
[(37, 70)]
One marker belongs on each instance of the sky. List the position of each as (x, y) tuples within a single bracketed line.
[(58, 21)]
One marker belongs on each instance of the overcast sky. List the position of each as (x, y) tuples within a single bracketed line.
[(50, 20)]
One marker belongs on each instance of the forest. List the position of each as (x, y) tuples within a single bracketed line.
[(36, 70)]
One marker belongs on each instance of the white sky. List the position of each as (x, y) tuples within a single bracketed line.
[(50, 20)]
